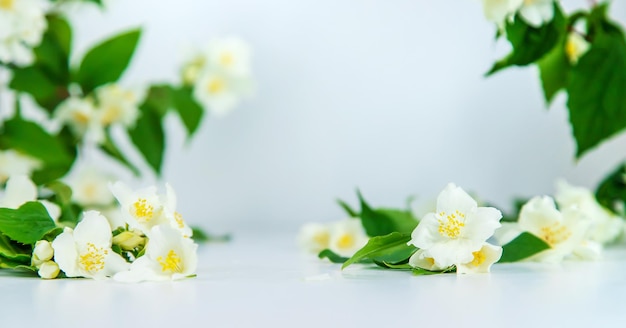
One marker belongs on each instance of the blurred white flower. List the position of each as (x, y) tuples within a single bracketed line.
[(192, 68), (563, 230), (174, 217), (457, 230), (20, 190), (90, 187), (116, 105), (81, 117), (346, 237), (15, 163), (142, 209), (498, 11), (482, 261), (588, 250), (507, 232), (314, 237), (575, 47), (22, 24), (169, 256), (86, 250), (537, 12), (605, 226), (42, 252), (421, 259), (48, 270), (219, 92), (229, 55)]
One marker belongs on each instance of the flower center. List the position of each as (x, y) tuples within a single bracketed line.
[(142, 211), (171, 263), (179, 220), (111, 114), (80, 117), (216, 86), (321, 238), (93, 259), (7, 4), (555, 234), (226, 59), (345, 241), (450, 225), (479, 258)]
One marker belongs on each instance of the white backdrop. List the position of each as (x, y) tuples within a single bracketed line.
[(387, 96)]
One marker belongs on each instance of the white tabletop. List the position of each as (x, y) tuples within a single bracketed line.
[(248, 283)]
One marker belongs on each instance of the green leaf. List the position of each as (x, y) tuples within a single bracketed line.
[(27, 224), (109, 147), (188, 109), (553, 69), (596, 84), (148, 137), (530, 43), (106, 62), (35, 82), (29, 138), (403, 220), (13, 251), (159, 98), (523, 246), (201, 236), (351, 213), (611, 192), (424, 272), (387, 265), (332, 256), (62, 192), (390, 248), (382, 222)]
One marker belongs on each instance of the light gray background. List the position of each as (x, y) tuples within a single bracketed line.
[(387, 96)]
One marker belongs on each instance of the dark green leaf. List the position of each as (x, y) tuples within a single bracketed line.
[(611, 192), (351, 213), (596, 84), (27, 224), (530, 43), (553, 69), (188, 109), (35, 82), (424, 272), (332, 256), (148, 137), (523, 246), (403, 220), (201, 236), (106, 62), (62, 192), (390, 248), (382, 222), (159, 98), (387, 265)]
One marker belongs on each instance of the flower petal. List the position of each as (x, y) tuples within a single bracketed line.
[(453, 198), (481, 223), (65, 253), (93, 228)]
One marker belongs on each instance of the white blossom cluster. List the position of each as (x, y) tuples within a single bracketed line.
[(22, 24)]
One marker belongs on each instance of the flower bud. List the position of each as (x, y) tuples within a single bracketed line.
[(48, 270), (42, 252), (129, 240)]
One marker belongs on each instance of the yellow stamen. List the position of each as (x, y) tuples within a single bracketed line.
[(227, 59), (322, 239), (179, 220), (112, 114), (79, 117), (479, 258), (93, 259), (216, 86), (172, 262), (142, 211), (345, 241), (451, 226), (555, 234), (7, 4)]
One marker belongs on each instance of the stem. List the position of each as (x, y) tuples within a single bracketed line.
[(18, 106)]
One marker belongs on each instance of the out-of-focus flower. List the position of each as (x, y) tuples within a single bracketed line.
[(230, 55), (90, 188), (81, 117), (15, 163), (346, 237), (314, 237), (22, 24), (219, 92), (20, 190), (537, 12), (482, 261), (575, 47), (116, 105), (169, 256), (498, 11), (563, 230), (457, 230), (86, 250)]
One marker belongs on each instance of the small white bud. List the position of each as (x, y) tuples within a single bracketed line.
[(42, 252), (48, 270)]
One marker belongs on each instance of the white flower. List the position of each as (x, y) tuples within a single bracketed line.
[(562, 230), (42, 252), (575, 47), (346, 237), (219, 92), (498, 11), (588, 250), (142, 209), (20, 190), (421, 259), (537, 12), (86, 251), (507, 232), (117, 105), (229, 55), (314, 237), (80, 115), (90, 188), (15, 163), (482, 261), (605, 226), (175, 218), (48, 270), (169, 256), (22, 24), (458, 229)]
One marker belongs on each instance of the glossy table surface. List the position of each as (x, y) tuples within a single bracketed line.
[(250, 282)]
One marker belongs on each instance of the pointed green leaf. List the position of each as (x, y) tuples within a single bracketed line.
[(188, 109), (523, 246), (351, 213), (107, 61), (27, 224), (611, 192), (379, 222), (332, 256), (390, 248), (149, 138)]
